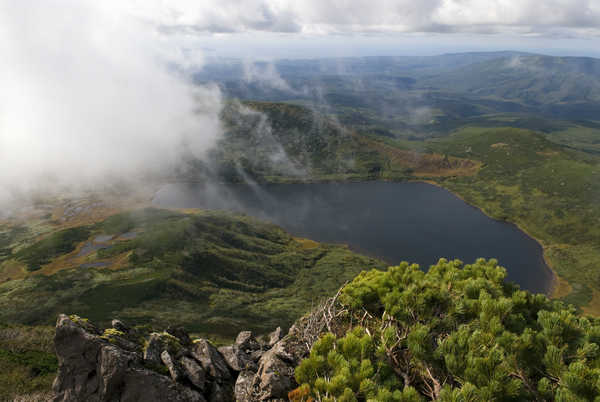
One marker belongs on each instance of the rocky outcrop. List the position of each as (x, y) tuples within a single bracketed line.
[(124, 364)]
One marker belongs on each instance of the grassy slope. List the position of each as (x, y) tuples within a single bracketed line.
[(549, 191), (28, 362), (316, 147), (215, 273)]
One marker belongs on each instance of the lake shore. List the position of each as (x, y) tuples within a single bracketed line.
[(557, 283)]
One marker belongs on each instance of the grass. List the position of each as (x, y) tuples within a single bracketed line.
[(213, 272), (546, 189), (54, 245), (27, 360)]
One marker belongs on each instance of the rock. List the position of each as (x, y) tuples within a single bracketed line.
[(274, 337), (77, 351), (237, 359), (243, 386), (275, 376), (112, 370), (173, 369), (220, 393), (193, 372), (211, 360), (256, 355), (120, 326), (109, 366), (153, 349), (246, 342), (181, 334), (147, 386), (93, 369)]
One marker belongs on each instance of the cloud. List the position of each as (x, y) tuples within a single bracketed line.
[(88, 93), (548, 17)]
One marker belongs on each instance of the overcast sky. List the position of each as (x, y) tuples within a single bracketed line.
[(88, 90), (317, 28)]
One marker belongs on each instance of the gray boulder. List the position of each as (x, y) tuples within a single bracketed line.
[(170, 363), (243, 390), (153, 349), (93, 369), (193, 372), (246, 342), (274, 337), (237, 359), (211, 360)]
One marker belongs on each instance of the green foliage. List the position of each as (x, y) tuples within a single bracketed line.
[(215, 273), (56, 244), (27, 360), (547, 190), (457, 332)]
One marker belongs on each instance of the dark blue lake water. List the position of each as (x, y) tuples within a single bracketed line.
[(415, 222)]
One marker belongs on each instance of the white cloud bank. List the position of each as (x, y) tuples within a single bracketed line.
[(546, 17), (88, 89), (86, 94)]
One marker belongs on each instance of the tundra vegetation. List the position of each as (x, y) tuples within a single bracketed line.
[(454, 333)]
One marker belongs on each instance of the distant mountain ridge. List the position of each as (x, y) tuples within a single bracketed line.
[(421, 96)]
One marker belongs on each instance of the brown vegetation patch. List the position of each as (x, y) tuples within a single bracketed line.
[(561, 288), (593, 308), (547, 153), (12, 269), (306, 244), (425, 164), (499, 145)]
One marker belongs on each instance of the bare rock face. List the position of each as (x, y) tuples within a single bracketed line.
[(93, 369), (193, 372), (120, 364), (274, 337), (211, 360)]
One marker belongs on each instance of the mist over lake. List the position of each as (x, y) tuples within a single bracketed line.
[(415, 222)]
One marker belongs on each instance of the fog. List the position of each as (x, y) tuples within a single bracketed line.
[(89, 94)]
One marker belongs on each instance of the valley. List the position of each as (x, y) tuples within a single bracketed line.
[(221, 243)]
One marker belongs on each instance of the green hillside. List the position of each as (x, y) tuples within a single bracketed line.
[(549, 191), (212, 272), (529, 79), (281, 142)]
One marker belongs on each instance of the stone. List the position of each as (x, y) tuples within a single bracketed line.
[(148, 386), (193, 372), (210, 359), (181, 334), (120, 326), (243, 386), (170, 363), (92, 369), (275, 376), (220, 393), (246, 342), (153, 349), (274, 337), (237, 359)]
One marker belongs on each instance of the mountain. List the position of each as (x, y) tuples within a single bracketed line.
[(282, 142), (457, 332), (569, 86), (210, 271), (421, 97)]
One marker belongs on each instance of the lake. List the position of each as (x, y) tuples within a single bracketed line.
[(414, 222)]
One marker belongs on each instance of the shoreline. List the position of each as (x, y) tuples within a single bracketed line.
[(555, 283)]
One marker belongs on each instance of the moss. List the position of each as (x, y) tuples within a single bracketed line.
[(170, 342), (157, 368), (78, 320), (111, 332)]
